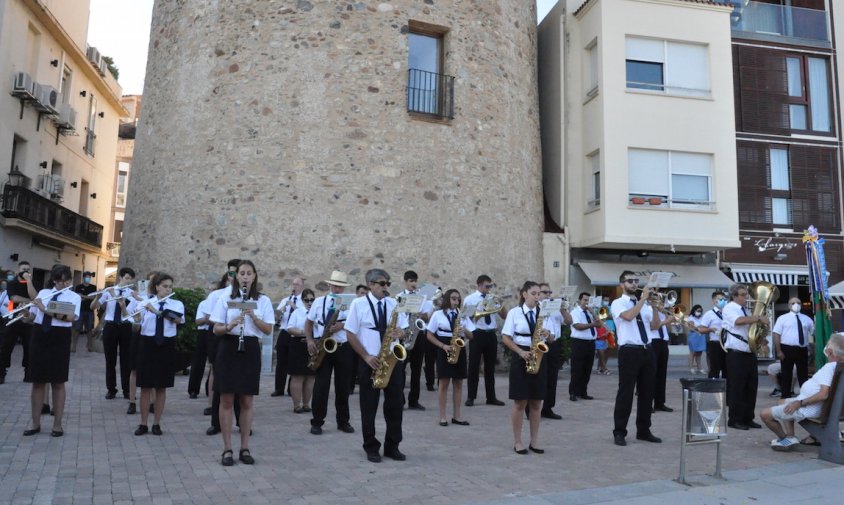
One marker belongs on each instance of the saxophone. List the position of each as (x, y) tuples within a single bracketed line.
[(390, 353), (538, 348), (326, 344), (456, 343)]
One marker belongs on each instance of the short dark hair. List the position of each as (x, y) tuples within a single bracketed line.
[(126, 270), (359, 286), (483, 278), (581, 295), (61, 273), (232, 263), (158, 279), (86, 272), (625, 274), (410, 274), (24, 262), (696, 308), (717, 293)]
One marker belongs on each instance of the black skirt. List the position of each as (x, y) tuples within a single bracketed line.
[(446, 370), (297, 357), (213, 341), (237, 372), (525, 386), (49, 355), (155, 363), (134, 342)]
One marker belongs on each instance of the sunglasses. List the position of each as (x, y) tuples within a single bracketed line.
[(308, 300), (489, 286), (632, 281), (383, 284), (546, 292)]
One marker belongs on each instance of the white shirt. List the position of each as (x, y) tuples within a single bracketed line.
[(578, 316), (319, 313), (516, 324), (660, 333), (627, 332), (46, 295), (475, 299), (109, 302), (223, 314), (732, 312), (297, 320), (4, 303), (440, 325), (203, 311), (427, 308), (712, 319), (361, 322), (148, 318), (284, 309), (786, 328), (554, 324), (822, 377)]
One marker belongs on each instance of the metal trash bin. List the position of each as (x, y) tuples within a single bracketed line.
[(704, 418)]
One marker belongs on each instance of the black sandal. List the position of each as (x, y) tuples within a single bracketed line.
[(228, 460), (245, 457)]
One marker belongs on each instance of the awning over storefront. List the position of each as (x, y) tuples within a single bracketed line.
[(775, 274), (685, 276), (836, 296)]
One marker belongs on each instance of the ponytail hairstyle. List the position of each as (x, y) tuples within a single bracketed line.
[(525, 287), (253, 290)]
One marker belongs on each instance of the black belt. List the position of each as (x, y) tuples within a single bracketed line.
[(743, 352), (118, 322), (238, 336), (635, 346)]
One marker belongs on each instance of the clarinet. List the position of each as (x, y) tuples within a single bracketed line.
[(240, 346)]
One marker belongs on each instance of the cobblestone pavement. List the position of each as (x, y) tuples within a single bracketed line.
[(100, 461)]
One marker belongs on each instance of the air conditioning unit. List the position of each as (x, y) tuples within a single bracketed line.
[(67, 117), (47, 97), (46, 184), (103, 67), (24, 86), (58, 187), (94, 56)]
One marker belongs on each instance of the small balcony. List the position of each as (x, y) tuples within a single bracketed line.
[(430, 93), (773, 23), (41, 215)]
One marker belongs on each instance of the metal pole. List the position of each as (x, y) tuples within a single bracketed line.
[(682, 477), (718, 459)]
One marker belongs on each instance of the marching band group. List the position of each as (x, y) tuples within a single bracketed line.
[(368, 339)]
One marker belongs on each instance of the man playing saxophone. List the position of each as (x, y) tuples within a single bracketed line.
[(366, 327)]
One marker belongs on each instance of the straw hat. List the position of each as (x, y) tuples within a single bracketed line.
[(339, 279)]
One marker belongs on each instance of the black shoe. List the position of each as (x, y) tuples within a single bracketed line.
[(753, 424), (316, 430), (648, 437), (57, 433), (587, 397), (430, 387), (573, 398), (395, 454), (132, 409), (142, 430), (495, 401), (213, 430), (550, 414), (522, 452), (2, 379), (470, 402), (228, 458), (305, 408), (459, 423), (663, 408), (245, 457), (193, 396), (738, 426), (29, 433), (346, 428), (776, 392), (534, 449), (619, 440), (156, 430), (125, 396), (415, 406), (45, 409), (207, 411), (277, 393), (373, 457), (298, 410)]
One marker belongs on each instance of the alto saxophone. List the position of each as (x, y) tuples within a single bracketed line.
[(538, 348), (390, 354), (456, 343), (326, 344)]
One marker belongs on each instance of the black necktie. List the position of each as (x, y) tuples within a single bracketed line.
[(531, 322), (800, 331), (159, 325), (118, 312), (382, 317), (641, 324), (452, 317), (589, 320), (47, 320), (662, 332)]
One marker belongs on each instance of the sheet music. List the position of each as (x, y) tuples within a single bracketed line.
[(548, 307), (411, 303), (237, 304), (143, 287), (428, 291), (659, 279), (63, 308), (342, 301), (569, 293), (595, 302)]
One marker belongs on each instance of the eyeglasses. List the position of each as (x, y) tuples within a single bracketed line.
[(546, 292), (489, 286), (381, 283), (631, 281), (308, 300), (743, 293)]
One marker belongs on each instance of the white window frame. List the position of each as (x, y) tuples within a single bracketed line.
[(664, 59), (592, 73), (671, 171), (593, 170), (122, 169)]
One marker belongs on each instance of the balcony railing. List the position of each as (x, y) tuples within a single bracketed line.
[(430, 93), (21, 203), (769, 20)]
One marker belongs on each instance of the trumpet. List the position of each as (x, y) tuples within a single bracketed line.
[(665, 299), (143, 305), (32, 304)]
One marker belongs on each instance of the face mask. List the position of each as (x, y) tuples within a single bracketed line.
[(698, 313), (795, 307), (10, 277), (721, 303), (87, 279)]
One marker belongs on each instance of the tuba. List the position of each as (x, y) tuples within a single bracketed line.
[(538, 348), (763, 295), (457, 343), (326, 344), (390, 353)]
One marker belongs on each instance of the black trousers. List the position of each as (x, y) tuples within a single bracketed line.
[(793, 355), (197, 365), (7, 345), (282, 350), (636, 370), (369, 398), (484, 344), (417, 355), (717, 360), (430, 364), (660, 350), (340, 362), (552, 363), (742, 382), (10, 338), (582, 360), (117, 341)]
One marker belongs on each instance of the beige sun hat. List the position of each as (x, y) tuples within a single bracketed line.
[(339, 279)]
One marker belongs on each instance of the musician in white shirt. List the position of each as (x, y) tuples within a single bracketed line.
[(792, 332), (282, 347), (117, 333), (484, 344), (659, 339), (584, 331), (301, 377), (553, 360), (710, 326)]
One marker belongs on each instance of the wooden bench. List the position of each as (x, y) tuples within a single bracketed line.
[(825, 427)]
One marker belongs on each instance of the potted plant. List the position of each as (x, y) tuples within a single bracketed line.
[(637, 200), (655, 200), (186, 334)]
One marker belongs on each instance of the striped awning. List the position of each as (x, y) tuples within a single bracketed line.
[(793, 276), (836, 296)]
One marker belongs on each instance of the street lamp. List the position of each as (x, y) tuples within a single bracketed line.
[(16, 177)]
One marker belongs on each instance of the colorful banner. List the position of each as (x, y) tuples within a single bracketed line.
[(818, 282)]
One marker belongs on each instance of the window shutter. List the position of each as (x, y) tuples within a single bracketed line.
[(762, 90), (754, 196), (813, 187)]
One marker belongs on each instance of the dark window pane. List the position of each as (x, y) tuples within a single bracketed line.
[(644, 75)]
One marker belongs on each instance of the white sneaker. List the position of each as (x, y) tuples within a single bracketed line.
[(786, 444), (794, 440)]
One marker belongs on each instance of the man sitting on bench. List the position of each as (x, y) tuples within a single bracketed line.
[(781, 418)]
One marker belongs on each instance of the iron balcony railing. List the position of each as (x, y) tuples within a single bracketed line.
[(770, 20), (430, 93), (21, 203)]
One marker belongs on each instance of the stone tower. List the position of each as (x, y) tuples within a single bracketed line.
[(280, 131)]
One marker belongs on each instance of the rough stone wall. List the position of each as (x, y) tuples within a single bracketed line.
[(278, 131)]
